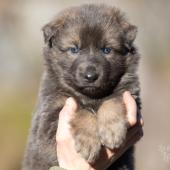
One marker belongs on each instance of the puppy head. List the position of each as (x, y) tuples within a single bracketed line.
[(88, 48)]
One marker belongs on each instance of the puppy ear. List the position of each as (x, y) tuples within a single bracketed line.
[(51, 29), (130, 32), (49, 33)]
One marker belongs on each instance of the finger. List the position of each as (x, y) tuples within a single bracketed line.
[(132, 131), (65, 116), (68, 110), (131, 108), (135, 138), (130, 135), (142, 121), (116, 154), (108, 156)]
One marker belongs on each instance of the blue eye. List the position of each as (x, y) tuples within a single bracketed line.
[(106, 50), (74, 50)]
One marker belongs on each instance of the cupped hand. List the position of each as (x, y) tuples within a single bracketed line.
[(69, 159)]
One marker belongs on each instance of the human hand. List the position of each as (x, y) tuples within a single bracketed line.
[(69, 159), (134, 133)]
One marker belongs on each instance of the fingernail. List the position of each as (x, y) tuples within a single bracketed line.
[(70, 102), (141, 122), (132, 121), (127, 93)]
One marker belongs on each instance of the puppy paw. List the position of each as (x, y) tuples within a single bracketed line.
[(84, 131), (113, 133), (88, 146)]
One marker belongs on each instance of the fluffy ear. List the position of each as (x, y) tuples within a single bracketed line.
[(130, 32), (51, 29), (49, 33)]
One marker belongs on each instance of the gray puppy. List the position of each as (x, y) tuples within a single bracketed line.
[(89, 55)]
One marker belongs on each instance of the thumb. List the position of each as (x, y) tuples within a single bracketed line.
[(65, 116), (68, 110), (131, 108)]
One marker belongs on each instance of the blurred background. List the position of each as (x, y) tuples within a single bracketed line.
[(21, 65)]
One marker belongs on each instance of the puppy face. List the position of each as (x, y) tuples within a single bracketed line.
[(88, 48)]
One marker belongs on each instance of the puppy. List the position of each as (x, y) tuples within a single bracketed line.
[(89, 54)]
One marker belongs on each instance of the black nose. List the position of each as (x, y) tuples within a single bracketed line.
[(91, 74)]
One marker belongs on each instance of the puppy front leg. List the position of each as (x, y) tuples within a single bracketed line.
[(112, 123), (84, 130)]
